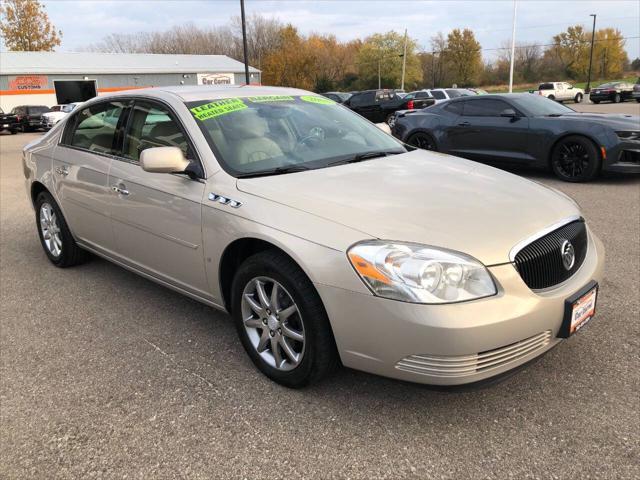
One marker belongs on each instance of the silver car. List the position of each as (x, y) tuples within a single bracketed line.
[(329, 241)]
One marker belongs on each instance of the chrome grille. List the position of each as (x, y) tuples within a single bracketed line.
[(460, 366), (540, 262)]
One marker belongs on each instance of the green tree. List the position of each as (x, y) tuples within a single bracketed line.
[(384, 50), (571, 48), (609, 55), (463, 57), (25, 26)]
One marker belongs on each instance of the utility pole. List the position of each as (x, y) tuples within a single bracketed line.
[(433, 69), (513, 46), (404, 59), (593, 36), (244, 43), (379, 59)]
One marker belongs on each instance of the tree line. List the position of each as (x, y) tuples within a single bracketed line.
[(321, 62)]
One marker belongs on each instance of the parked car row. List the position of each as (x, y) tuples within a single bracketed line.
[(28, 118), (615, 92)]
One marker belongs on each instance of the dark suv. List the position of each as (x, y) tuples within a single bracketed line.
[(9, 122), (29, 117), (380, 105)]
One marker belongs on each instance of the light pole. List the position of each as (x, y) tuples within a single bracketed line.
[(379, 59), (593, 36), (513, 46), (404, 59), (244, 43)]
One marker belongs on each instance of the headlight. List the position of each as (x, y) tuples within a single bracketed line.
[(419, 274)]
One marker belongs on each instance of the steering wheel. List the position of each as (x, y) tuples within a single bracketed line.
[(316, 134)]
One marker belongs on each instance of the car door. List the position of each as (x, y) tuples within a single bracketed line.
[(365, 104), (81, 163), (485, 133), (156, 217)]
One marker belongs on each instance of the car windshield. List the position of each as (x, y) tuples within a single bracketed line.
[(537, 105), (275, 134)]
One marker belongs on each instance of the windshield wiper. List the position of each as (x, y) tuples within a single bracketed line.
[(365, 156), (555, 114), (274, 171)]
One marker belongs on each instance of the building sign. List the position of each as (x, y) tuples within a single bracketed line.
[(28, 82), (215, 79)]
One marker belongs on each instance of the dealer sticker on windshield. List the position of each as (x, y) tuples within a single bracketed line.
[(318, 100), (271, 98), (217, 108)]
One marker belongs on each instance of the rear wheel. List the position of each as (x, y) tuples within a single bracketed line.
[(55, 236), (617, 98), (595, 101), (551, 97), (423, 140), (13, 131), (575, 159), (578, 98), (281, 320)]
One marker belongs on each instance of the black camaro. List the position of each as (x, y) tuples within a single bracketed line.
[(525, 129)]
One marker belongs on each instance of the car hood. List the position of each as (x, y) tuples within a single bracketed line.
[(613, 120), (423, 197)]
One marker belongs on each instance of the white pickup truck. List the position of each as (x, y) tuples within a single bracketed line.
[(561, 91)]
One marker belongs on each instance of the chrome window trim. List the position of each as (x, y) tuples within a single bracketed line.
[(523, 243)]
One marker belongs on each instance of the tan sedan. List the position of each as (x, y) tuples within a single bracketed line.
[(327, 240)]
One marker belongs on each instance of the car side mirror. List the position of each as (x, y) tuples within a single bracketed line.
[(508, 112), (163, 160)]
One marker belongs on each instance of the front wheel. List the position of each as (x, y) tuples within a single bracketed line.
[(578, 98), (595, 101), (617, 98), (281, 320), (55, 236), (575, 159), (551, 97), (422, 140)]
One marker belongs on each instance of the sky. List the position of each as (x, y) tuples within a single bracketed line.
[(87, 21)]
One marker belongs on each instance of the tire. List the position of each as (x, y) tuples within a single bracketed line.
[(578, 98), (595, 101), (575, 159), (638, 100), (13, 132), (617, 98), (389, 120), (423, 140), (69, 253), (551, 97), (318, 355)]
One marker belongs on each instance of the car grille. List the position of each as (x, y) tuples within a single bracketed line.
[(630, 156), (540, 263), (464, 365)]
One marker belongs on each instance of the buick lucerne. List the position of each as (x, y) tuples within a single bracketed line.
[(328, 241)]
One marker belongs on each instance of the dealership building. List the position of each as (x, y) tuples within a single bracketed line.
[(50, 78)]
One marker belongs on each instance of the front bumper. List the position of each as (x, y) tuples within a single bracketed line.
[(456, 343), (623, 158)]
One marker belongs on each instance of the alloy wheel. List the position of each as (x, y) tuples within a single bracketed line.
[(273, 323), (50, 230), (422, 141), (573, 159)]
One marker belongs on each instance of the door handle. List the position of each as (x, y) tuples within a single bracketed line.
[(63, 171), (121, 190), (464, 124)]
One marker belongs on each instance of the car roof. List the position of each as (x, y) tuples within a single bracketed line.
[(193, 93)]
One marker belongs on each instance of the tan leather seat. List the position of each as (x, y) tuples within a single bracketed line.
[(247, 139)]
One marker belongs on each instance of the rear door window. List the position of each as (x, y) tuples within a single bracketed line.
[(94, 128), (438, 95)]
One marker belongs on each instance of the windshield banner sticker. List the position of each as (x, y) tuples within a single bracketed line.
[(318, 100), (217, 108), (271, 98)]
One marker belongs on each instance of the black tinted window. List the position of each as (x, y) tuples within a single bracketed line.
[(485, 108), (546, 86), (361, 99), (437, 94), (94, 128), (38, 109), (454, 107)]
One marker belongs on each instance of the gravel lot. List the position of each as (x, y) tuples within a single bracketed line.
[(105, 374)]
